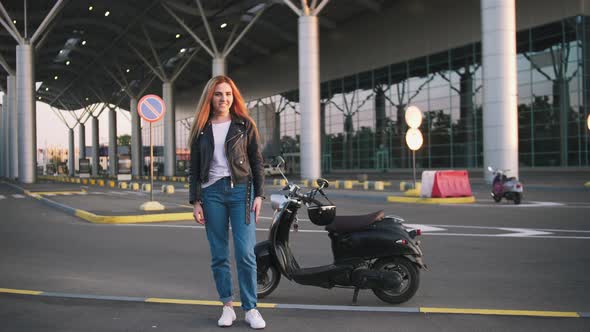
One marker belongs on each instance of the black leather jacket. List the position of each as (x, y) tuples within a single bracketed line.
[(243, 156)]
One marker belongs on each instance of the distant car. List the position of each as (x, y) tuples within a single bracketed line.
[(271, 170)]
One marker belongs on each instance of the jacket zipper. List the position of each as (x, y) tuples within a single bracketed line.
[(231, 176)]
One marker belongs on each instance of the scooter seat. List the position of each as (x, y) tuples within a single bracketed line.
[(346, 224)]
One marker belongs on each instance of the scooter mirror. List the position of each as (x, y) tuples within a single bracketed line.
[(322, 183)]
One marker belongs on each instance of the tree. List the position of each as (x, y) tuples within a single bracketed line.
[(124, 140)]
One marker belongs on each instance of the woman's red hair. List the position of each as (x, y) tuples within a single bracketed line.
[(203, 112)]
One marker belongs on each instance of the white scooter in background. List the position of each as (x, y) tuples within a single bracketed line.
[(505, 187)]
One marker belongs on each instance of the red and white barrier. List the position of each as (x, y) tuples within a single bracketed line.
[(443, 184)]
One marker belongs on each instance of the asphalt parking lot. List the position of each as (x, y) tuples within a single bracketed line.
[(502, 258)]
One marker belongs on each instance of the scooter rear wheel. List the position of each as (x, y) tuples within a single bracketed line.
[(410, 279), (497, 198), (517, 198), (267, 281)]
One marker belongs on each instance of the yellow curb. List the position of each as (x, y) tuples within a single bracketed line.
[(142, 218), (500, 312), (412, 193), (203, 302), (40, 193), (19, 291), (420, 200)]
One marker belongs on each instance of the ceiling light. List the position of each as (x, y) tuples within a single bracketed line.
[(223, 25), (61, 51), (86, 98), (14, 21), (68, 63), (177, 35), (128, 70), (107, 13), (46, 89), (39, 97), (182, 50), (90, 8), (55, 77), (83, 42)]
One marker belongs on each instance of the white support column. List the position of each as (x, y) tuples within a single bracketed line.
[(95, 153), (500, 117), (71, 152), (309, 97), (169, 130), (81, 141), (219, 66), (136, 146), (13, 130), (3, 128), (113, 163), (27, 114)]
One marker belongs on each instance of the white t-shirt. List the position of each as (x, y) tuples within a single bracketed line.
[(219, 167)]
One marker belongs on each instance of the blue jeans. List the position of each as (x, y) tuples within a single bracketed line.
[(222, 205)]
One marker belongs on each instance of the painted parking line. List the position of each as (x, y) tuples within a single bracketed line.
[(423, 310)]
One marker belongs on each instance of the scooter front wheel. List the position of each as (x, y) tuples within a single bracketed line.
[(267, 281), (410, 279), (517, 198)]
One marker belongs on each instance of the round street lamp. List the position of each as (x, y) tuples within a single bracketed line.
[(414, 140), (413, 117)]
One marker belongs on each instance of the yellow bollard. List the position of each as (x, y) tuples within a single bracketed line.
[(92, 181), (112, 184), (379, 185), (146, 187), (168, 189), (100, 183), (135, 186), (348, 184), (84, 181), (123, 185)]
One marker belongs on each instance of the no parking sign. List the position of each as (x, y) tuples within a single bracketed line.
[(151, 108)]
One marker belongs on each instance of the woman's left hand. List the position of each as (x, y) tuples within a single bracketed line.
[(257, 207)]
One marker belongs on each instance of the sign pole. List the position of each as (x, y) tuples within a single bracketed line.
[(414, 166), (151, 108), (151, 165)]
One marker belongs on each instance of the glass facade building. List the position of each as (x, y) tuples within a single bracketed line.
[(362, 115)]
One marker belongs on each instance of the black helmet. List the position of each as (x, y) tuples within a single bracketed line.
[(321, 215)]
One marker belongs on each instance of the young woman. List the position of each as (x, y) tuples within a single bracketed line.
[(226, 186)]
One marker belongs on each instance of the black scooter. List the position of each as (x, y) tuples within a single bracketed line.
[(371, 251)]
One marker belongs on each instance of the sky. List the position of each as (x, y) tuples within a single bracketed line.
[(52, 132)]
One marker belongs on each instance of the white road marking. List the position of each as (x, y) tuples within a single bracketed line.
[(18, 196), (521, 232), (427, 230), (2, 197)]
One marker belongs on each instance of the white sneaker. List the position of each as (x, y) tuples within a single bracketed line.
[(227, 316), (255, 320)]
